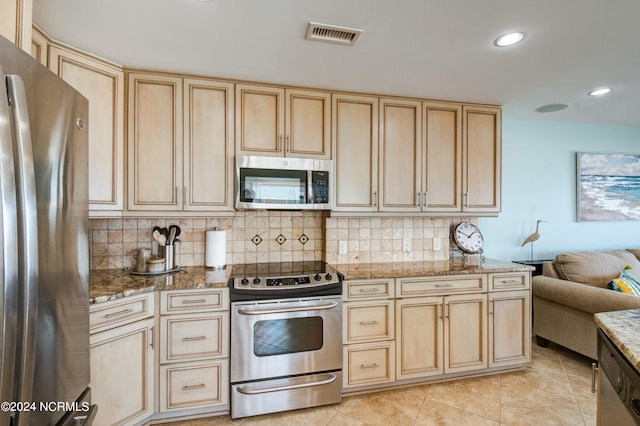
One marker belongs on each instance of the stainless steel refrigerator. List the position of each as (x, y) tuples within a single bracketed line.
[(44, 252)]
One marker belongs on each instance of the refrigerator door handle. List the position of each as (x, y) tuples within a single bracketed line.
[(8, 255), (28, 234)]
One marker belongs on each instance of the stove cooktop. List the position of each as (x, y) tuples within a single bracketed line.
[(256, 281)]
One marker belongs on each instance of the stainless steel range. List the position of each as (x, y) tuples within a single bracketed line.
[(286, 337)]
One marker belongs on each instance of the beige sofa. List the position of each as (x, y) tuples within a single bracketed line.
[(572, 289)]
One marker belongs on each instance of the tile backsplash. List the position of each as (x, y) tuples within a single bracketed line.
[(281, 237), (274, 236)]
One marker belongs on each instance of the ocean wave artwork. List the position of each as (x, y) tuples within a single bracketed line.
[(608, 186)]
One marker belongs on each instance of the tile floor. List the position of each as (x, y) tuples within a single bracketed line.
[(554, 389)]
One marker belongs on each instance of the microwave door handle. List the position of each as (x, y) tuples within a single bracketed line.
[(310, 195)]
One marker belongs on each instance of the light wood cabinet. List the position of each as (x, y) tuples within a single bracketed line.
[(283, 122), (169, 170), (102, 83), (400, 153), (208, 145), (40, 45), (194, 385), (15, 22), (122, 360), (368, 333), (355, 146), (482, 159), (194, 350), (442, 157), (509, 318), (441, 335)]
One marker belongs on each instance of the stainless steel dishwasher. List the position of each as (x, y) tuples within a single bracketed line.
[(619, 386)]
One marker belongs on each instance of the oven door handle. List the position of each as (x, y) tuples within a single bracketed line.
[(321, 307), (256, 391)]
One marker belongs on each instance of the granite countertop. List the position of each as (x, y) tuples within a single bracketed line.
[(621, 327), (426, 269), (109, 284)]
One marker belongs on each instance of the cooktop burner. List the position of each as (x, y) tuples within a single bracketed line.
[(256, 281)]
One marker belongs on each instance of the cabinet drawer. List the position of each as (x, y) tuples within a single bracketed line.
[(368, 364), (192, 385), (186, 301), (407, 287), (368, 321), (368, 289), (194, 337), (104, 316), (509, 281)]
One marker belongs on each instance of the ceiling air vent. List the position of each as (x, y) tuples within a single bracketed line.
[(332, 34)]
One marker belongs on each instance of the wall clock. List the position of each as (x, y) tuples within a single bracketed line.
[(468, 238)]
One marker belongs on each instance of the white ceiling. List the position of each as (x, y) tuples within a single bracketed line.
[(440, 49)]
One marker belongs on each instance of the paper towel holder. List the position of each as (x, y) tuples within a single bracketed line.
[(215, 267)]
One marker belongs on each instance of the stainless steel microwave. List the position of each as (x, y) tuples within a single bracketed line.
[(283, 183)]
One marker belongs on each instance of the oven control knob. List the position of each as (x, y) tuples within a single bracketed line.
[(256, 280), (244, 281), (317, 277), (328, 277)]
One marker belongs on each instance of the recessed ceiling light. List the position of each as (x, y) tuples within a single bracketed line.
[(599, 92), (551, 108), (509, 39)]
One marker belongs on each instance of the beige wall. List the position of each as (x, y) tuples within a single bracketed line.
[(368, 239)]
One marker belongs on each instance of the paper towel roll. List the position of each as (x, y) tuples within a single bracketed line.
[(216, 249)]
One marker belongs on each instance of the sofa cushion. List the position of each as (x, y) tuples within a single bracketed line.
[(636, 252), (625, 283), (594, 268)]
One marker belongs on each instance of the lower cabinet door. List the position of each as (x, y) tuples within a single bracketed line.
[(509, 328), (194, 385), (368, 364), (122, 379)]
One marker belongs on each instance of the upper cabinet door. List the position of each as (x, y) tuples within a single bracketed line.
[(103, 85), (400, 153), (154, 142), (442, 157), (208, 145), (308, 115), (40, 46), (278, 122), (355, 146), (259, 120), (482, 157), (15, 22)]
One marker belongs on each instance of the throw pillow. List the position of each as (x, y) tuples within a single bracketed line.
[(625, 283)]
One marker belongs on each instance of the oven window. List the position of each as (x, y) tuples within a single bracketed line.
[(273, 186), (287, 336)]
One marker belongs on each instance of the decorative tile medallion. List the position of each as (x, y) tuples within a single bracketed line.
[(280, 239), (303, 239), (257, 239)]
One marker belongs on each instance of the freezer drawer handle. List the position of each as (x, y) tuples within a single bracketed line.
[(193, 387), (286, 310), (119, 313), (191, 339), (256, 391)]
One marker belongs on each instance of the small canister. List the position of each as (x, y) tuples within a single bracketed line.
[(141, 257), (156, 264)]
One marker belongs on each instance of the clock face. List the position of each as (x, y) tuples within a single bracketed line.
[(468, 237)]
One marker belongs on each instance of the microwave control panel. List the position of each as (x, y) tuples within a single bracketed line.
[(320, 182)]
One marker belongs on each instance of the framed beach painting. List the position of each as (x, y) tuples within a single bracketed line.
[(608, 186)]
